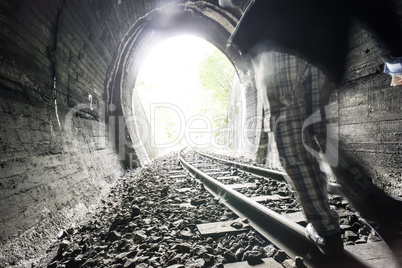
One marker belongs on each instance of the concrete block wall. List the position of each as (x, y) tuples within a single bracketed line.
[(57, 60), (57, 55), (370, 118), (52, 176), (47, 182)]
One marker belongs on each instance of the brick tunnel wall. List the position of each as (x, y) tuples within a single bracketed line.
[(58, 140), (49, 179), (56, 164), (370, 118)]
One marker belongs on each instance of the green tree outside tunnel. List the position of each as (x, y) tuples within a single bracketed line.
[(192, 76), (216, 76)]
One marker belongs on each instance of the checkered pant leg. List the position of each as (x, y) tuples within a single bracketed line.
[(295, 90)]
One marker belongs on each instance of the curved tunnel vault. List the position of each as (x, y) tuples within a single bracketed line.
[(67, 70), (201, 19)]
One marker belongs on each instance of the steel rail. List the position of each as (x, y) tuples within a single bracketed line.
[(333, 188), (269, 173), (282, 232)]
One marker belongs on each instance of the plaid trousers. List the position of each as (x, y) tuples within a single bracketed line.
[(295, 90)]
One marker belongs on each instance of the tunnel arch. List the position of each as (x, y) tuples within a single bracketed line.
[(60, 54), (201, 19)]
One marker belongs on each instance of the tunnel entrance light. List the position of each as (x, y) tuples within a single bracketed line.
[(184, 86)]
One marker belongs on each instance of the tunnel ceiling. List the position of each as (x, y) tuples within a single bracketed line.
[(199, 18), (63, 63), (57, 55), (64, 53), (204, 19)]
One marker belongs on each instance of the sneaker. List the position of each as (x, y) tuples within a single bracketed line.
[(331, 245)]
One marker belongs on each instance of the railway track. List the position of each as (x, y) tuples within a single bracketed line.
[(162, 215), (266, 200)]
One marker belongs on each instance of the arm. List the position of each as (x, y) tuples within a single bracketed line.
[(225, 3), (380, 19), (394, 69)]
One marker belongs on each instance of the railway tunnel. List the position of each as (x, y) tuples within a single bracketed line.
[(68, 122)]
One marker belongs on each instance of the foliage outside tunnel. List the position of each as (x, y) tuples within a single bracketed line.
[(184, 87)]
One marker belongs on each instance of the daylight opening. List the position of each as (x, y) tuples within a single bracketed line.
[(184, 87)]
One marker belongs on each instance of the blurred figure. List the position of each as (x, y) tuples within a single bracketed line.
[(299, 50)]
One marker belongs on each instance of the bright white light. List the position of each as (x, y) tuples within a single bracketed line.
[(172, 67), (170, 75)]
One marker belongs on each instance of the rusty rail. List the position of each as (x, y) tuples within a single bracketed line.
[(282, 232)]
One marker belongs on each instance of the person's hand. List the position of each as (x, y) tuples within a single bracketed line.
[(225, 3), (396, 81)]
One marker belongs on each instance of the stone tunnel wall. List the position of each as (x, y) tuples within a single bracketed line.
[(55, 163), (61, 126), (57, 129), (370, 115)]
